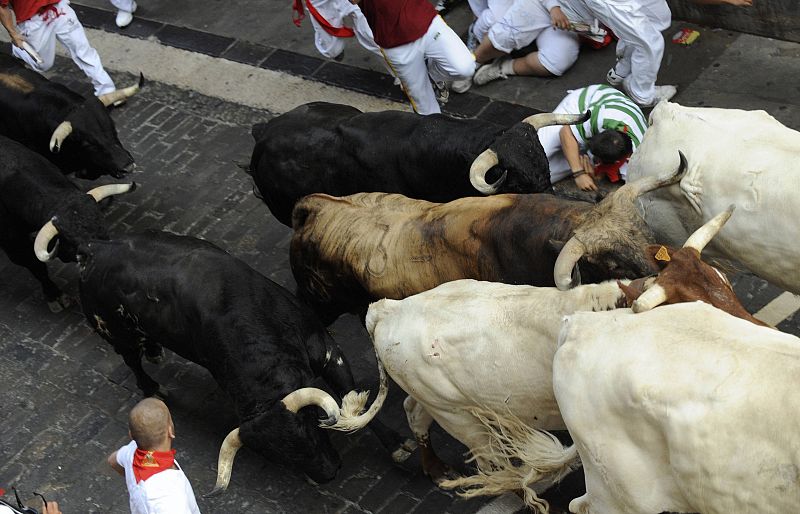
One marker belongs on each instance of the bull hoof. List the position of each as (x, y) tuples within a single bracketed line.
[(59, 304), (439, 472), (446, 473), (405, 450), (156, 356)]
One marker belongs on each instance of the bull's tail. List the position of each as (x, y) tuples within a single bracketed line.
[(544, 460), (351, 417)]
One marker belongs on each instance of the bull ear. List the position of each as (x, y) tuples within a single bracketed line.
[(658, 255), (557, 245), (631, 293)]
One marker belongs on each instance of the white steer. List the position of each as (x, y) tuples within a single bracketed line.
[(683, 409), (471, 353), (737, 157)]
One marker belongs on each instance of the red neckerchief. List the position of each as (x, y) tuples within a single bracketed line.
[(298, 15), (611, 170), (147, 463)]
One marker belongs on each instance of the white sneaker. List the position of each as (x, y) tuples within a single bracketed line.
[(124, 18), (488, 73), (613, 78), (461, 85), (661, 93)]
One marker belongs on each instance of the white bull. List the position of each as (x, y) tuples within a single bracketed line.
[(683, 409), (746, 158), (471, 353)]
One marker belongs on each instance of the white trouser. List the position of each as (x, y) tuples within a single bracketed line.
[(526, 20), (550, 138), (638, 25), (439, 54), (487, 13), (341, 13), (123, 5), (41, 32), (657, 11)]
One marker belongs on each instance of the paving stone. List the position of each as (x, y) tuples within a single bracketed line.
[(295, 64), (194, 40)]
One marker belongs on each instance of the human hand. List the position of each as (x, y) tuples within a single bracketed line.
[(559, 20), (51, 508), (740, 3), (17, 39), (585, 183)]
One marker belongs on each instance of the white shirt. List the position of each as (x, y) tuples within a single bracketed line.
[(167, 492)]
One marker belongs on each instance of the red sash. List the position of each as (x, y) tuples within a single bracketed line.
[(148, 463), (298, 15)]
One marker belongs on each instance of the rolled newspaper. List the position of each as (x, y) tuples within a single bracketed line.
[(33, 53)]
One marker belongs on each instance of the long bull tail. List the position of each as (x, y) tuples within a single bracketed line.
[(516, 457)]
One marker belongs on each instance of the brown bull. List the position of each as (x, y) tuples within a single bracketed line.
[(349, 251)]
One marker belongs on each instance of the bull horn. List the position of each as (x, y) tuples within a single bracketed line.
[(544, 119), (565, 263), (700, 238), (651, 298), (42, 241), (647, 184), (119, 96), (101, 192), (347, 419), (227, 452), (480, 167), (61, 132)]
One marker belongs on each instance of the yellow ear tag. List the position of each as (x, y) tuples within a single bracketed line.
[(662, 254)]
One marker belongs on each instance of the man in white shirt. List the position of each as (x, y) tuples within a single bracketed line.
[(156, 483)]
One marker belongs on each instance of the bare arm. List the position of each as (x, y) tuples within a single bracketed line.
[(7, 20), (739, 3), (112, 461), (579, 164)]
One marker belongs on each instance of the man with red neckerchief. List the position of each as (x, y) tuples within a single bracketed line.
[(156, 483)]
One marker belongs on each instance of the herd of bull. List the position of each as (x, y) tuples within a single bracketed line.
[(682, 402)]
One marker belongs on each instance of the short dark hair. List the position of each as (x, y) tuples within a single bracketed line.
[(610, 146)]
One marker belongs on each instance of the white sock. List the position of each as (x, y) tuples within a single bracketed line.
[(507, 67)]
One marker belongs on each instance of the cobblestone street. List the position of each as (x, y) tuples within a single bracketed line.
[(65, 394)]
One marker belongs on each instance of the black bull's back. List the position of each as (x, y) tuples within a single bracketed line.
[(195, 299), (338, 150)]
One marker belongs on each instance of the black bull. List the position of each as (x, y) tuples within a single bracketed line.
[(75, 133), (257, 341), (338, 150), (32, 193)]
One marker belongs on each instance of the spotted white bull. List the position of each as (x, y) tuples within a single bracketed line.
[(737, 157), (684, 408)]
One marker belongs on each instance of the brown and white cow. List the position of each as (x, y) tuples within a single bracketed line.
[(349, 251)]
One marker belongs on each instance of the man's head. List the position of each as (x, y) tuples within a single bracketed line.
[(150, 425), (610, 146)]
